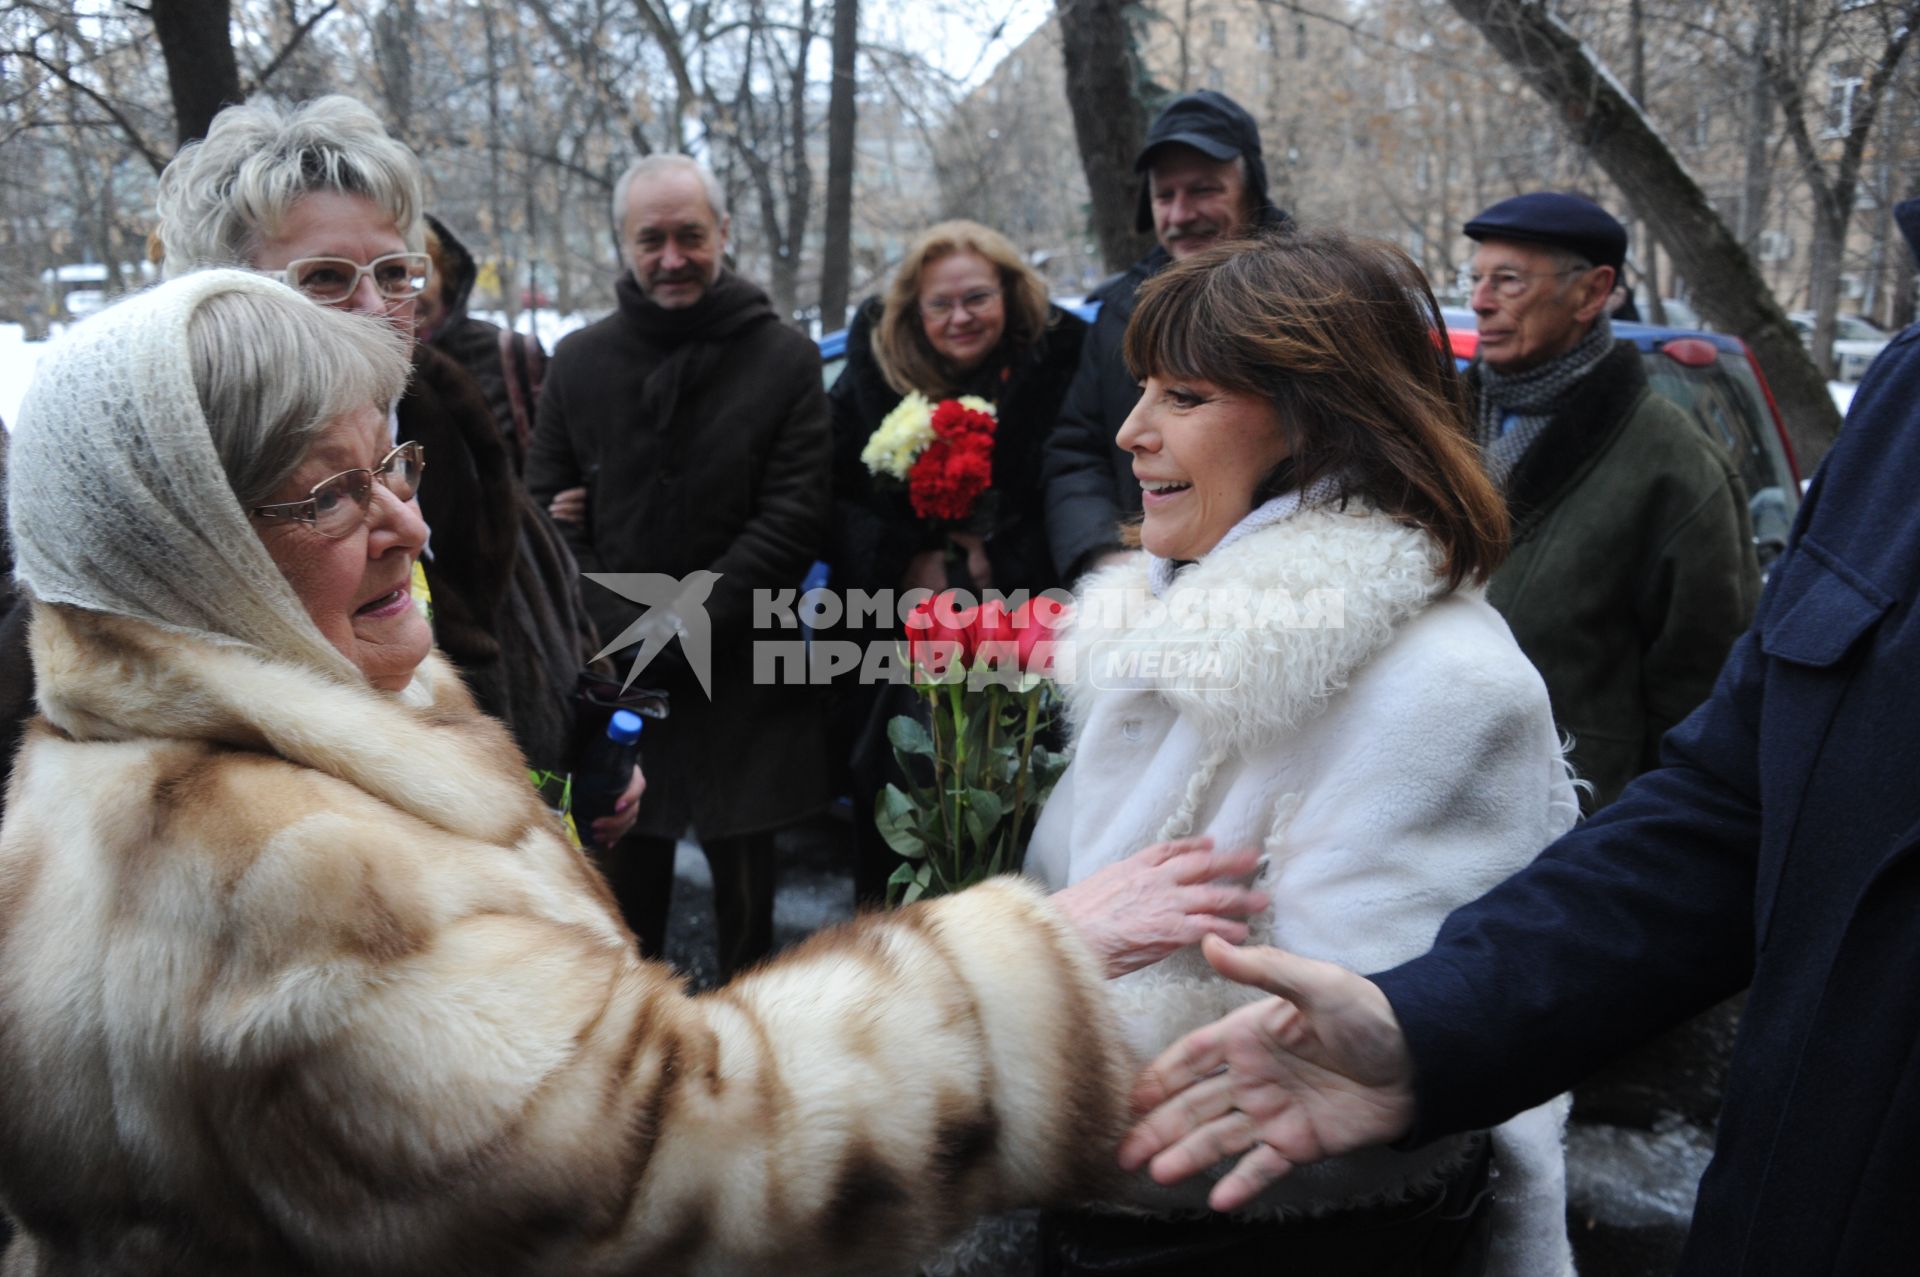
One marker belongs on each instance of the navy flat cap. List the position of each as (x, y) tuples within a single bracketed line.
[(1563, 221)]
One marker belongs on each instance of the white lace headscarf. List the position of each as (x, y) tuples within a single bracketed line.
[(118, 500)]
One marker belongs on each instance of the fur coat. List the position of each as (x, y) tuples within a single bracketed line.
[(1319, 695), (298, 977)]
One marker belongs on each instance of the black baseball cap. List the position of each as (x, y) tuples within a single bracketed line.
[(1212, 124)]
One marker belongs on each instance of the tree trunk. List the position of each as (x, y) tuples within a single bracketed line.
[(1109, 119), (1589, 101), (1824, 258), (1758, 160), (396, 35), (799, 176), (1906, 284), (202, 75), (496, 177), (836, 261)]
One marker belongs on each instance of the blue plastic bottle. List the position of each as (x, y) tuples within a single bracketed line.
[(605, 770)]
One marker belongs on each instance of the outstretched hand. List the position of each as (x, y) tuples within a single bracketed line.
[(1320, 1069), (1162, 899)]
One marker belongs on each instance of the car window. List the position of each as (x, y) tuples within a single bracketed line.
[(1730, 406)]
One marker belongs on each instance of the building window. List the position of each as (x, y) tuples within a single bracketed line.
[(1775, 246), (1844, 83), (1215, 80), (1219, 31), (1263, 38)]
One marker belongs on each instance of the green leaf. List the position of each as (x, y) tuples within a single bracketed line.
[(912, 878), (909, 735), (898, 822), (986, 804)]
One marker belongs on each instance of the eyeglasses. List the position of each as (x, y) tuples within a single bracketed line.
[(331, 280), (938, 308), (338, 505), (1512, 283)]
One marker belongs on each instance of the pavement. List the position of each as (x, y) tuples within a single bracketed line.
[(814, 890)]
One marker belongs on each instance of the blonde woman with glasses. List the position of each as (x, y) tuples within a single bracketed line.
[(321, 198), (964, 315)]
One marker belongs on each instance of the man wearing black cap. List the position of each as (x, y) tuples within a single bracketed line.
[(1633, 568), (1205, 182)]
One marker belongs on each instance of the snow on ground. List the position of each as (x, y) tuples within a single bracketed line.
[(545, 324), (18, 356), (17, 359)]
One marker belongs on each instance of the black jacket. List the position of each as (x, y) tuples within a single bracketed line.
[(701, 437), (1777, 846), (1090, 483), (875, 529), (508, 367), (507, 604)]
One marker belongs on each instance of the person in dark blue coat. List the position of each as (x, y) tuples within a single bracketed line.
[(1776, 847)]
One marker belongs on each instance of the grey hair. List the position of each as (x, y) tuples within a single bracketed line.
[(1566, 259), (667, 162), (222, 194), (273, 370)]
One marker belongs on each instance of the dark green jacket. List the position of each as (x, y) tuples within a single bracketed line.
[(1632, 570)]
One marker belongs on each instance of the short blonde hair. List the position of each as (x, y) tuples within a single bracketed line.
[(900, 347), (220, 195)]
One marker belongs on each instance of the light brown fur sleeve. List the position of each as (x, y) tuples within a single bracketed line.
[(516, 1087)]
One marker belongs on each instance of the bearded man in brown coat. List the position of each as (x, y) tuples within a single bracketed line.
[(687, 432)]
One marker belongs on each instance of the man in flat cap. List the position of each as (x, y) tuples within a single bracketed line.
[(1204, 182), (1633, 566)]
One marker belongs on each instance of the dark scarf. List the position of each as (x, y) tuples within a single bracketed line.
[(1532, 398), (692, 338)]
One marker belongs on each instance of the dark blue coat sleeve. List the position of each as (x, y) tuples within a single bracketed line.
[(1626, 926)]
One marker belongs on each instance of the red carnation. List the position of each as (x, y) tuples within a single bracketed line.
[(957, 467)]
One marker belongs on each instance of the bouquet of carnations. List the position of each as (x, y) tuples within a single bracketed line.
[(943, 452), (979, 772)]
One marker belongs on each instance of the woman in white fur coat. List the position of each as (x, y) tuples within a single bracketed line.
[(298, 976), (1303, 662)]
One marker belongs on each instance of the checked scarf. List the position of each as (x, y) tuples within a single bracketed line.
[(1531, 398)]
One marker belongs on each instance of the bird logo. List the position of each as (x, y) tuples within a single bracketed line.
[(674, 606)]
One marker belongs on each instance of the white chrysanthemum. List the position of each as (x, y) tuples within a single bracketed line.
[(902, 436)]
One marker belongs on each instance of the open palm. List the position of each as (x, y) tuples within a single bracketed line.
[(1319, 1069)]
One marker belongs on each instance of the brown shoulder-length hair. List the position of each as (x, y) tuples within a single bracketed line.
[(907, 360), (1343, 337)]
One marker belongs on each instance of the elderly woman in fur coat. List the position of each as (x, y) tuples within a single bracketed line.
[(297, 973), (1303, 662)]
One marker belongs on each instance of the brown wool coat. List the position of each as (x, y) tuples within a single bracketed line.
[(299, 978)]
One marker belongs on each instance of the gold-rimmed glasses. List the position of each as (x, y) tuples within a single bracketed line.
[(336, 506)]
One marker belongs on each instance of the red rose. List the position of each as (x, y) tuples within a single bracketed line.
[(940, 632), (1036, 625), (996, 636)]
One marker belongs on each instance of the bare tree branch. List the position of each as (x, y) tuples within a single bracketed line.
[(134, 137), (294, 41)]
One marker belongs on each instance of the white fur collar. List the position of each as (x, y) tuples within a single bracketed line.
[(1251, 640), (426, 750)]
